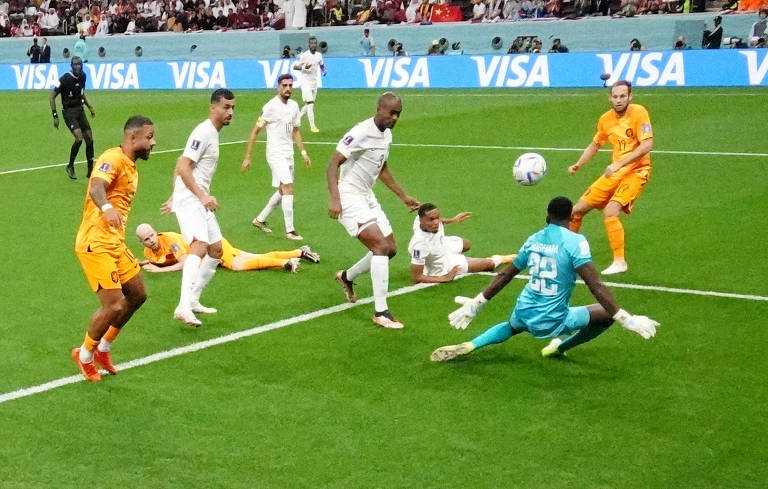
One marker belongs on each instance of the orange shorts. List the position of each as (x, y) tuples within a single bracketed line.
[(108, 270), (228, 253), (624, 190)]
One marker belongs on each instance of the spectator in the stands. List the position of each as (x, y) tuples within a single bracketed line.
[(558, 47)]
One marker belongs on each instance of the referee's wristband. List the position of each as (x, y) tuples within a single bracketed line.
[(106, 207), (303, 152), (55, 114)]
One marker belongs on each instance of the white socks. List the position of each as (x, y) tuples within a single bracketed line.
[(311, 114), (287, 204), (272, 204), (189, 275), (207, 269), (85, 355), (360, 267), (496, 259), (104, 345), (380, 281)]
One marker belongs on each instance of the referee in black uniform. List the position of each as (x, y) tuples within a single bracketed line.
[(72, 90)]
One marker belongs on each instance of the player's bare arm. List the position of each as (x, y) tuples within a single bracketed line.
[(153, 268), (600, 292), (251, 141), (184, 170), (332, 179), (642, 149), (98, 194), (300, 144), (418, 277), (87, 104), (460, 217), (589, 153), (500, 281), (52, 100), (386, 177)]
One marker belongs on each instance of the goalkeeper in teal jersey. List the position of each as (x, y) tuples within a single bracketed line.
[(554, 256)]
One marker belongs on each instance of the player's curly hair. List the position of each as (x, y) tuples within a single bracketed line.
[(559, 209)]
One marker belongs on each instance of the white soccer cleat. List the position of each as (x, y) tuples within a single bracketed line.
[(616, 267), (187, 317), (386, 320), (551, 349), (447, 353), (308, 254), (314, 129), (201, 309), (292, 265), (294, 236)]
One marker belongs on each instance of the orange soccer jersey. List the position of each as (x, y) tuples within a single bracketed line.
[(171, 247), (625, 134), (122, 179)]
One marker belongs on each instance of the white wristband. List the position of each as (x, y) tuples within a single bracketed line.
[(106, 207), (481, 300), (303, 152)]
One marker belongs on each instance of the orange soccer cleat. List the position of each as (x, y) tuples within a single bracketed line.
[(104, 360), (87, 369)]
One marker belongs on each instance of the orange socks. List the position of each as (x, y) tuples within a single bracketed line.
[(111, 334), (89, 343), (615, 232)]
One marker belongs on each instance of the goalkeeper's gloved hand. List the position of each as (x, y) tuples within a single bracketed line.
[(464, 315), (642, 325)]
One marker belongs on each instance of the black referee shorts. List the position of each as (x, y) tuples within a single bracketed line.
[(75, 119)]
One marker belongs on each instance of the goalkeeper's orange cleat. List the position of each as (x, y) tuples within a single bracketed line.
[(104, 360), (87, 369)]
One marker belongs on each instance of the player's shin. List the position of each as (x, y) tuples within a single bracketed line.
[(380, 281), (495, 334), (359, 268), (615, 231), (207, 269), (272, 204), (587, 333), (287, 205), (189, 274)]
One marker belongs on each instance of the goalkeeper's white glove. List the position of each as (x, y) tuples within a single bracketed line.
[(464, 315), (642, 325)]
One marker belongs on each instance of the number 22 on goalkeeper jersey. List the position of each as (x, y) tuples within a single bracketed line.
[(552, 256)]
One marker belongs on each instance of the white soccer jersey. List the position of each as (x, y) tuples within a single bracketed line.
[(203, 149), (366, 149), (309, 76), (280, 119), (427, 249)]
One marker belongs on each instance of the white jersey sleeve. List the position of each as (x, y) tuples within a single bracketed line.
[(197, 143)]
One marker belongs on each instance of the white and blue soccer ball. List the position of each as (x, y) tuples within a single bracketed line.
[(529, 169)]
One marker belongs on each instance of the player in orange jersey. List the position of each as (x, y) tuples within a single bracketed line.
[(110, 267), (627, 127), (166, 252)]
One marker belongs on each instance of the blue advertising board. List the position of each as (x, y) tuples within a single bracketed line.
[(700, 68)]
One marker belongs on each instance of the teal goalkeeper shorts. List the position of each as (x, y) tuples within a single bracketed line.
[(577, 318)]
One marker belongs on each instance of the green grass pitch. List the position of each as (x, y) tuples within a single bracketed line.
[(336, 402)]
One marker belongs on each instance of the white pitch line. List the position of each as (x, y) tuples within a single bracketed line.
[(442, 146), (183, 350)]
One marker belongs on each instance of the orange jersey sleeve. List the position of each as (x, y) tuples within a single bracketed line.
[(171, 247), (122, 178), (625, 134)]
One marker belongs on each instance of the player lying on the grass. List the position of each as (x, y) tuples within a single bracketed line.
[(436, 257), (553, 256), (166, 252)]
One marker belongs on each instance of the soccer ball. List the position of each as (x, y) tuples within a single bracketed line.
[(529, 169)]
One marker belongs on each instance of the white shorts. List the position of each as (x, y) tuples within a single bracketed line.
[(360, 211), (308, 92), (453, 244), (282, 169), (198, 224), (446, 263)]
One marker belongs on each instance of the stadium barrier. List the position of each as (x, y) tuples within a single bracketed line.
[(704, 68)]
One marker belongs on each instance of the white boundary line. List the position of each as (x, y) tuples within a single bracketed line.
[(443, 146), (201, 345)]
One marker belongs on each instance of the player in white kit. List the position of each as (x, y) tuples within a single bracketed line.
[(310, 62), (437, 258), (281, 118), (360, 158), (194, 205)]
